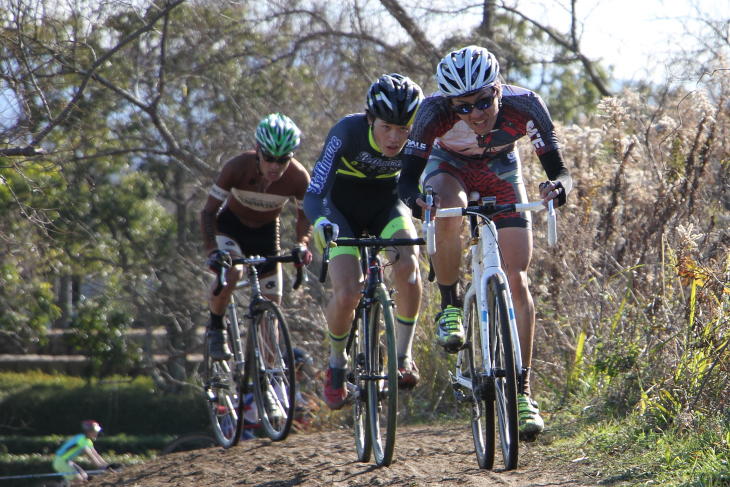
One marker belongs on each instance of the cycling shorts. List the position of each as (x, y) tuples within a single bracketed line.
[(361, 209), (240, 240), (500, 177), (64, 466)]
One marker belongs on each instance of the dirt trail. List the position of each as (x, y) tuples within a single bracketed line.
[(424, 456)]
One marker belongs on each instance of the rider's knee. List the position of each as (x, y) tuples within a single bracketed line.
[(347, 294)]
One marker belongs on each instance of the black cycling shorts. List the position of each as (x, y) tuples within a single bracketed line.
[(263, 241)]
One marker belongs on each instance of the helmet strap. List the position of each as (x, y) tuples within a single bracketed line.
[(260, 172), (371, 136)]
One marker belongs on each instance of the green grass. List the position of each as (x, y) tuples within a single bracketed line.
[(21, 445), (40, 411), (37, 404), (628, 451)]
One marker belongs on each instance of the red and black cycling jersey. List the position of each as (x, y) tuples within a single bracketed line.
[(521, 113)]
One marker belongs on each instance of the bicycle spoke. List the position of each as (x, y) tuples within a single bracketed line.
[(356, 353), (482, 403), (221, 386), (273, 378)]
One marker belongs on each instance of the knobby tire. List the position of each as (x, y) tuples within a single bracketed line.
[(481, 407), (505, 384), (221, 379), (356, 352), (382, 394)]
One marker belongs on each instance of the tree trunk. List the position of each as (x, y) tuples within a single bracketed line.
[(487, 27)]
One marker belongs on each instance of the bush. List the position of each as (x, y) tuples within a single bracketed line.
[(48, 404)]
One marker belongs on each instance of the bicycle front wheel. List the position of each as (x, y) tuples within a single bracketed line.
[(481, 406), (363, 443), (503, 363), (383, 377), (273, 371), (224, 399)]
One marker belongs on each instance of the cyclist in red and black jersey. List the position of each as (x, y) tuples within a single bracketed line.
[(463, 140), (353, 189), (253, 188)]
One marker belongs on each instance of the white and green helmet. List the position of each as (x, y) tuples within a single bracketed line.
[(277, 135)]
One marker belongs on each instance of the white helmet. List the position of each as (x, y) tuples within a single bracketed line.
[(467, 70)]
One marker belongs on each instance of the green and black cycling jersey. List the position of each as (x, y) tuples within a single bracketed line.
[(353, 184)]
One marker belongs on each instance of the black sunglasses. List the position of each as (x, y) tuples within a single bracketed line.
[(481, 104), (278, 160)]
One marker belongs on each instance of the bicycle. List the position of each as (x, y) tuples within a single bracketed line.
[(489, 366), (372, 378), (267, 363)]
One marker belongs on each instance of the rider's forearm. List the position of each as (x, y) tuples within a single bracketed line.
[(96, 459), (313, 206), (410, 175), (207, 227), (556, 170), (304, 229)]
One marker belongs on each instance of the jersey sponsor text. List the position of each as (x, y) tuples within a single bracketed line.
[(324, 166)]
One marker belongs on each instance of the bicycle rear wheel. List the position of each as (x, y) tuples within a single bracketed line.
[(273, 373), (382, 388), (503, 363), (363, 442), (222, 389), (481, 407)]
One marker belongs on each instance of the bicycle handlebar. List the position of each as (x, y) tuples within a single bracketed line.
[(488, 209), (363, 242), (294, 257)]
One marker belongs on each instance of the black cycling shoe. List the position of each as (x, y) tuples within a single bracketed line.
[(218, 345)]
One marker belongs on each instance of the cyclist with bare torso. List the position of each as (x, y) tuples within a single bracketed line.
[(464, 139), (253, 188)]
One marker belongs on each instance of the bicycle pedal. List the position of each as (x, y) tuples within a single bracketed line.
[(460, 396), (352, 396), (452, 350), (528, 437), (211, 396)]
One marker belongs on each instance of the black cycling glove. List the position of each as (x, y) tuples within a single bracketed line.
[(562, 196), (410, 202), (219, 259)]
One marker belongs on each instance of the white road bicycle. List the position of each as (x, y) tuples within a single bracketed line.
[(489, 369)]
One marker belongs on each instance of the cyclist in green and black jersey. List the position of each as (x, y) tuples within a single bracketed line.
[(353, 188)]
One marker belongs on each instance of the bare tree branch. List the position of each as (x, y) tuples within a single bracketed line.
[(571, 44), (99, 62), (418, 36), (24, 151)]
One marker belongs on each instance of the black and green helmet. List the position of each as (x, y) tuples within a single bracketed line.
[(277, 135)]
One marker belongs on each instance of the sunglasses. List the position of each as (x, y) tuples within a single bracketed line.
[(481, 104), (278, 160)]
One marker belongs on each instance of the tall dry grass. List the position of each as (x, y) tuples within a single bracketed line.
[(632, 305)]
